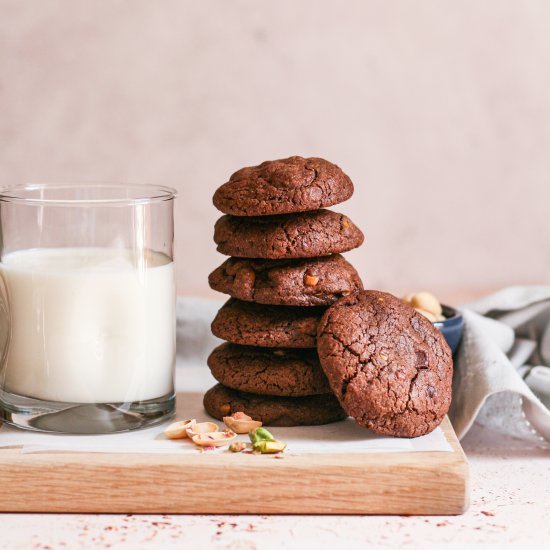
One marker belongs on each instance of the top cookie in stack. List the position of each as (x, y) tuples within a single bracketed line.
[(284, 186), (285, 269)]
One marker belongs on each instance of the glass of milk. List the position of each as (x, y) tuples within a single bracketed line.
[(87, 306)]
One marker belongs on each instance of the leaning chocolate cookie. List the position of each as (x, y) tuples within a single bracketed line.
[(305, 235), (309, 282), (283, 186), (389, 367), (266, 371), (253, 324), (220, 401)]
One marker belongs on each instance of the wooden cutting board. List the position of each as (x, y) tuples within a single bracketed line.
[(225, 483)]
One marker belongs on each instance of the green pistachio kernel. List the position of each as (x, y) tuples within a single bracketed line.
[(260, 434), (268, 447)]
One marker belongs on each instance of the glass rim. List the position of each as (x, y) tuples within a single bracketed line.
[(130, 193)]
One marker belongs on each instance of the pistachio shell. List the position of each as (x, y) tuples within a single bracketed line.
[(214, 439), (202, 428), (241, 426), (178, 430), (239, 415)]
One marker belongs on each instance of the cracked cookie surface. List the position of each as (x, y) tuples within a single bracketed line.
[(389, 367), (307, 282), (283, 186), (253, 324), (265, 371), (304, 235), (220, 401)]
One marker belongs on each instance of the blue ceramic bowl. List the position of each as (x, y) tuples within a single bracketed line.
[(451, 327)]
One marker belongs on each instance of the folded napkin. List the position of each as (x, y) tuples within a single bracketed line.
[(502, 368)]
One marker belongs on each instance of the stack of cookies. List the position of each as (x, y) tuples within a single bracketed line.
[(284, 271)]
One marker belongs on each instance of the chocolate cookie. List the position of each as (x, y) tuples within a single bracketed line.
[(283, 186), (253, 324), (305, 235), (310, 282), (220, 401), (389, 367), (265, 371)]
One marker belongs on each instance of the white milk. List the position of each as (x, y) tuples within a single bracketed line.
[(88, 325)]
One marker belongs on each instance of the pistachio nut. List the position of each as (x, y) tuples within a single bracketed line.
[(237, 447), (269, 447), (260, 434)]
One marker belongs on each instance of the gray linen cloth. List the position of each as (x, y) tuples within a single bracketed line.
[(502, 369), (505, 349)]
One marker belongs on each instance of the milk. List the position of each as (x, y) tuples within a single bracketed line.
[(89, 325)]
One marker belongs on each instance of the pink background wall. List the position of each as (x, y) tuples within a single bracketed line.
[(438, 110)]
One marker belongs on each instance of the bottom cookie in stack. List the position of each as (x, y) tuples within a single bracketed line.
[(220, 401), (279, 386)]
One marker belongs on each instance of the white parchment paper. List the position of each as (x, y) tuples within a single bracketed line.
[(192, 382)]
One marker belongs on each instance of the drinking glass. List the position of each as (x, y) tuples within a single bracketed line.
[(87, 306)]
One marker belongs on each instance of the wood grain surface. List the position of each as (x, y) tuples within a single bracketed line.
[(220, 483)]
